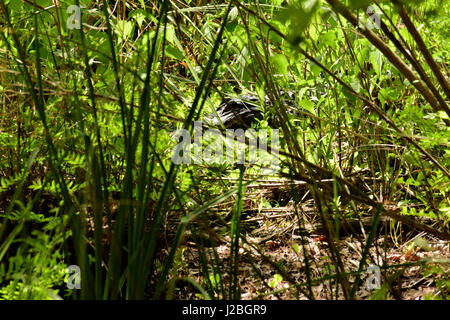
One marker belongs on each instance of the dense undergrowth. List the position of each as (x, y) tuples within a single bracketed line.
[(87, 125)]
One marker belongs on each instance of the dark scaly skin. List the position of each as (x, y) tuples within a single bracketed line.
[(242, 111)]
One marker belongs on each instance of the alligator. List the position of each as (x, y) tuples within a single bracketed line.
[(242, 111)]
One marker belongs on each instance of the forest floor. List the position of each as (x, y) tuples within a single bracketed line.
[(272, 261)]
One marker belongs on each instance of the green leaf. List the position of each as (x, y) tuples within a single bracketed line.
[(232, 16), (356, 85), (376, 58), (277, 278), (125, 29), (315, 69), (442, 114), (328, 39), (307, 105), (387, 94), (296, 18), (174, 53), (281, 63), (139, 15)]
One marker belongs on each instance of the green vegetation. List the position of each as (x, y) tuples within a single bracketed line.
[(87, 119)]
